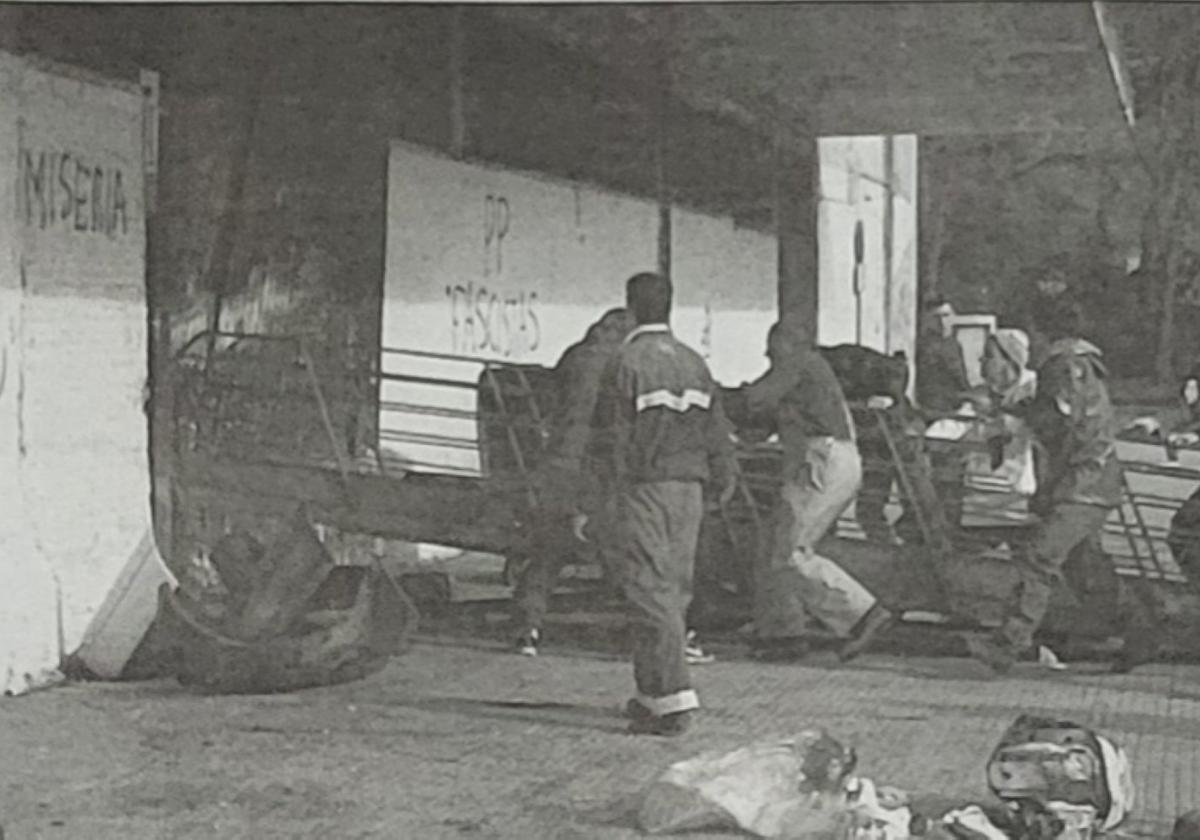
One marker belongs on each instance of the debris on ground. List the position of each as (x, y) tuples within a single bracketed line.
[(285, 617), (969, 823), (1060, 780), (877, 812), (1055, 780), (790, 788)]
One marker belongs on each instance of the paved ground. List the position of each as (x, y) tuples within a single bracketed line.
[(459, 740)]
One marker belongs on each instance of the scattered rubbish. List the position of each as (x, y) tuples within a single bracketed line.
[(792, 788), (1056, 780), (969, 823), (1060, 780), (877, 813)]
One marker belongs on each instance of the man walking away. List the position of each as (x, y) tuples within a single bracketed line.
[(822, 472), (1079, 483), (576, 382), (661, 435)]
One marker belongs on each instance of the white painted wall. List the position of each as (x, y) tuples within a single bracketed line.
[(495, 264), (856, 186), (74, 475), (726, 281)]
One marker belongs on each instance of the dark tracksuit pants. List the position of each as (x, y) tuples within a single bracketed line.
[(658, 526), (1070, 532), (555, 546)]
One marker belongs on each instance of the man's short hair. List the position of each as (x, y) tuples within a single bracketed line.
[(648, 297)]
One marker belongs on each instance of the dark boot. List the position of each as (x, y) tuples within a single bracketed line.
[(876, 621), (997, 656), (667, 726)]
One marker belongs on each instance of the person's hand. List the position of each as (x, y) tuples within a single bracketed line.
[(727, 492), (982, 402), (1183, 439), (880, 402), (995, 447), (717, 498), (578, 523)]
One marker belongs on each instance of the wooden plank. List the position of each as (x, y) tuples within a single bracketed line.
[(463, 512)]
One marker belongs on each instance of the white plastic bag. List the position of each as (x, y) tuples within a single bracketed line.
[(790, 788)]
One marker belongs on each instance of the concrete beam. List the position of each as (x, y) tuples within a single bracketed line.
[(951, 113)]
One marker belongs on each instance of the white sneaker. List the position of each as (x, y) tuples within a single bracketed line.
[(694, 654), (527, 645)]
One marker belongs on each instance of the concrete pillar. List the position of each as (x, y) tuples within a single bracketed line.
[(931, 218), (796, 192)]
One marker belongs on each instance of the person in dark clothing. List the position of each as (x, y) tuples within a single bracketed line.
[(941, 369), (659, 438), (941, 389), (875, 386), (1079, 483), (1183, 536), (822, 471), (562, 476), (1185, 430)]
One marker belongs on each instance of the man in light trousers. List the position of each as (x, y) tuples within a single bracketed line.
[(822, 472)]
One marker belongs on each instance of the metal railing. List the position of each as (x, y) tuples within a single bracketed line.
[(490, 416)]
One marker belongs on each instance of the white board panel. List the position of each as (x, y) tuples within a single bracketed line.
[(489, 263), (494, 264), (73, 432), (726, 281)]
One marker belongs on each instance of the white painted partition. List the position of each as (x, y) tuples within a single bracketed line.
[(495, 264), (74, 475), (726, 281)]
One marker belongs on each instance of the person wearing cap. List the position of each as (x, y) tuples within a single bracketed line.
[(562, 476), (1009, 386), (822, 472), (659, 439), (1079, 483)]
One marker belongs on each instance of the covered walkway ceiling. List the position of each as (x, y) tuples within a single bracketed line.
[(798, 69)]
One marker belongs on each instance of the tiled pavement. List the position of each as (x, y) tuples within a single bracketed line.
[(457, 739)]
